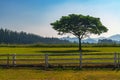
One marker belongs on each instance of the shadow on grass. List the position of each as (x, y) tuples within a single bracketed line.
[(67, 51)]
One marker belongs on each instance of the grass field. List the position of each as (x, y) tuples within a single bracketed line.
[(37, 74), (57, 74), (17, 50)]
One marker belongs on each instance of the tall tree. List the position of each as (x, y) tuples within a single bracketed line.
[(79, 25)]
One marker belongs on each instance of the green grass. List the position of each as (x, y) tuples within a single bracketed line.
[(7, 50), (39, 74), (23, 50), (43, 50)]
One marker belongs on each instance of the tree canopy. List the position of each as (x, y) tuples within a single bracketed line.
[(79, 25)]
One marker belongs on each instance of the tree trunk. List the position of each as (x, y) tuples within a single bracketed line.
[(80, 49)]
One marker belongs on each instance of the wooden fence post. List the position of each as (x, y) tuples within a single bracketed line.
[(115, 59), (8, 60), (80, 60), (118, 60), (46, 61), (14, 59)]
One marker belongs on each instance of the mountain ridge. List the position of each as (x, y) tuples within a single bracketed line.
[(115, 37)]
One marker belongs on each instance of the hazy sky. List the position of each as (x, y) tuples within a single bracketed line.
[(35, 16)]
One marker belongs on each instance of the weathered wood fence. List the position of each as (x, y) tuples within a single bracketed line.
[(48, 60)]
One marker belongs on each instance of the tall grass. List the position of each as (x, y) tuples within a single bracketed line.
[(37, 74)]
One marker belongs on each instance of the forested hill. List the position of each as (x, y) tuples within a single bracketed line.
[(13, 37)]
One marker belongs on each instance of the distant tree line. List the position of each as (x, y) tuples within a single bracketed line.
[(14, 37), (108, 41)]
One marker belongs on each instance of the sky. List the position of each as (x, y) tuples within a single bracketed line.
[(35, 16)]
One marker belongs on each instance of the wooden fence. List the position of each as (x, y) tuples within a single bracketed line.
[(48, 60)]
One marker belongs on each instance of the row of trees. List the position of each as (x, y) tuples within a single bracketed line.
[(108, 41), (13, 37)]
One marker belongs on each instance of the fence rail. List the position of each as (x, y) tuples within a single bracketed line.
[(47, 60)]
